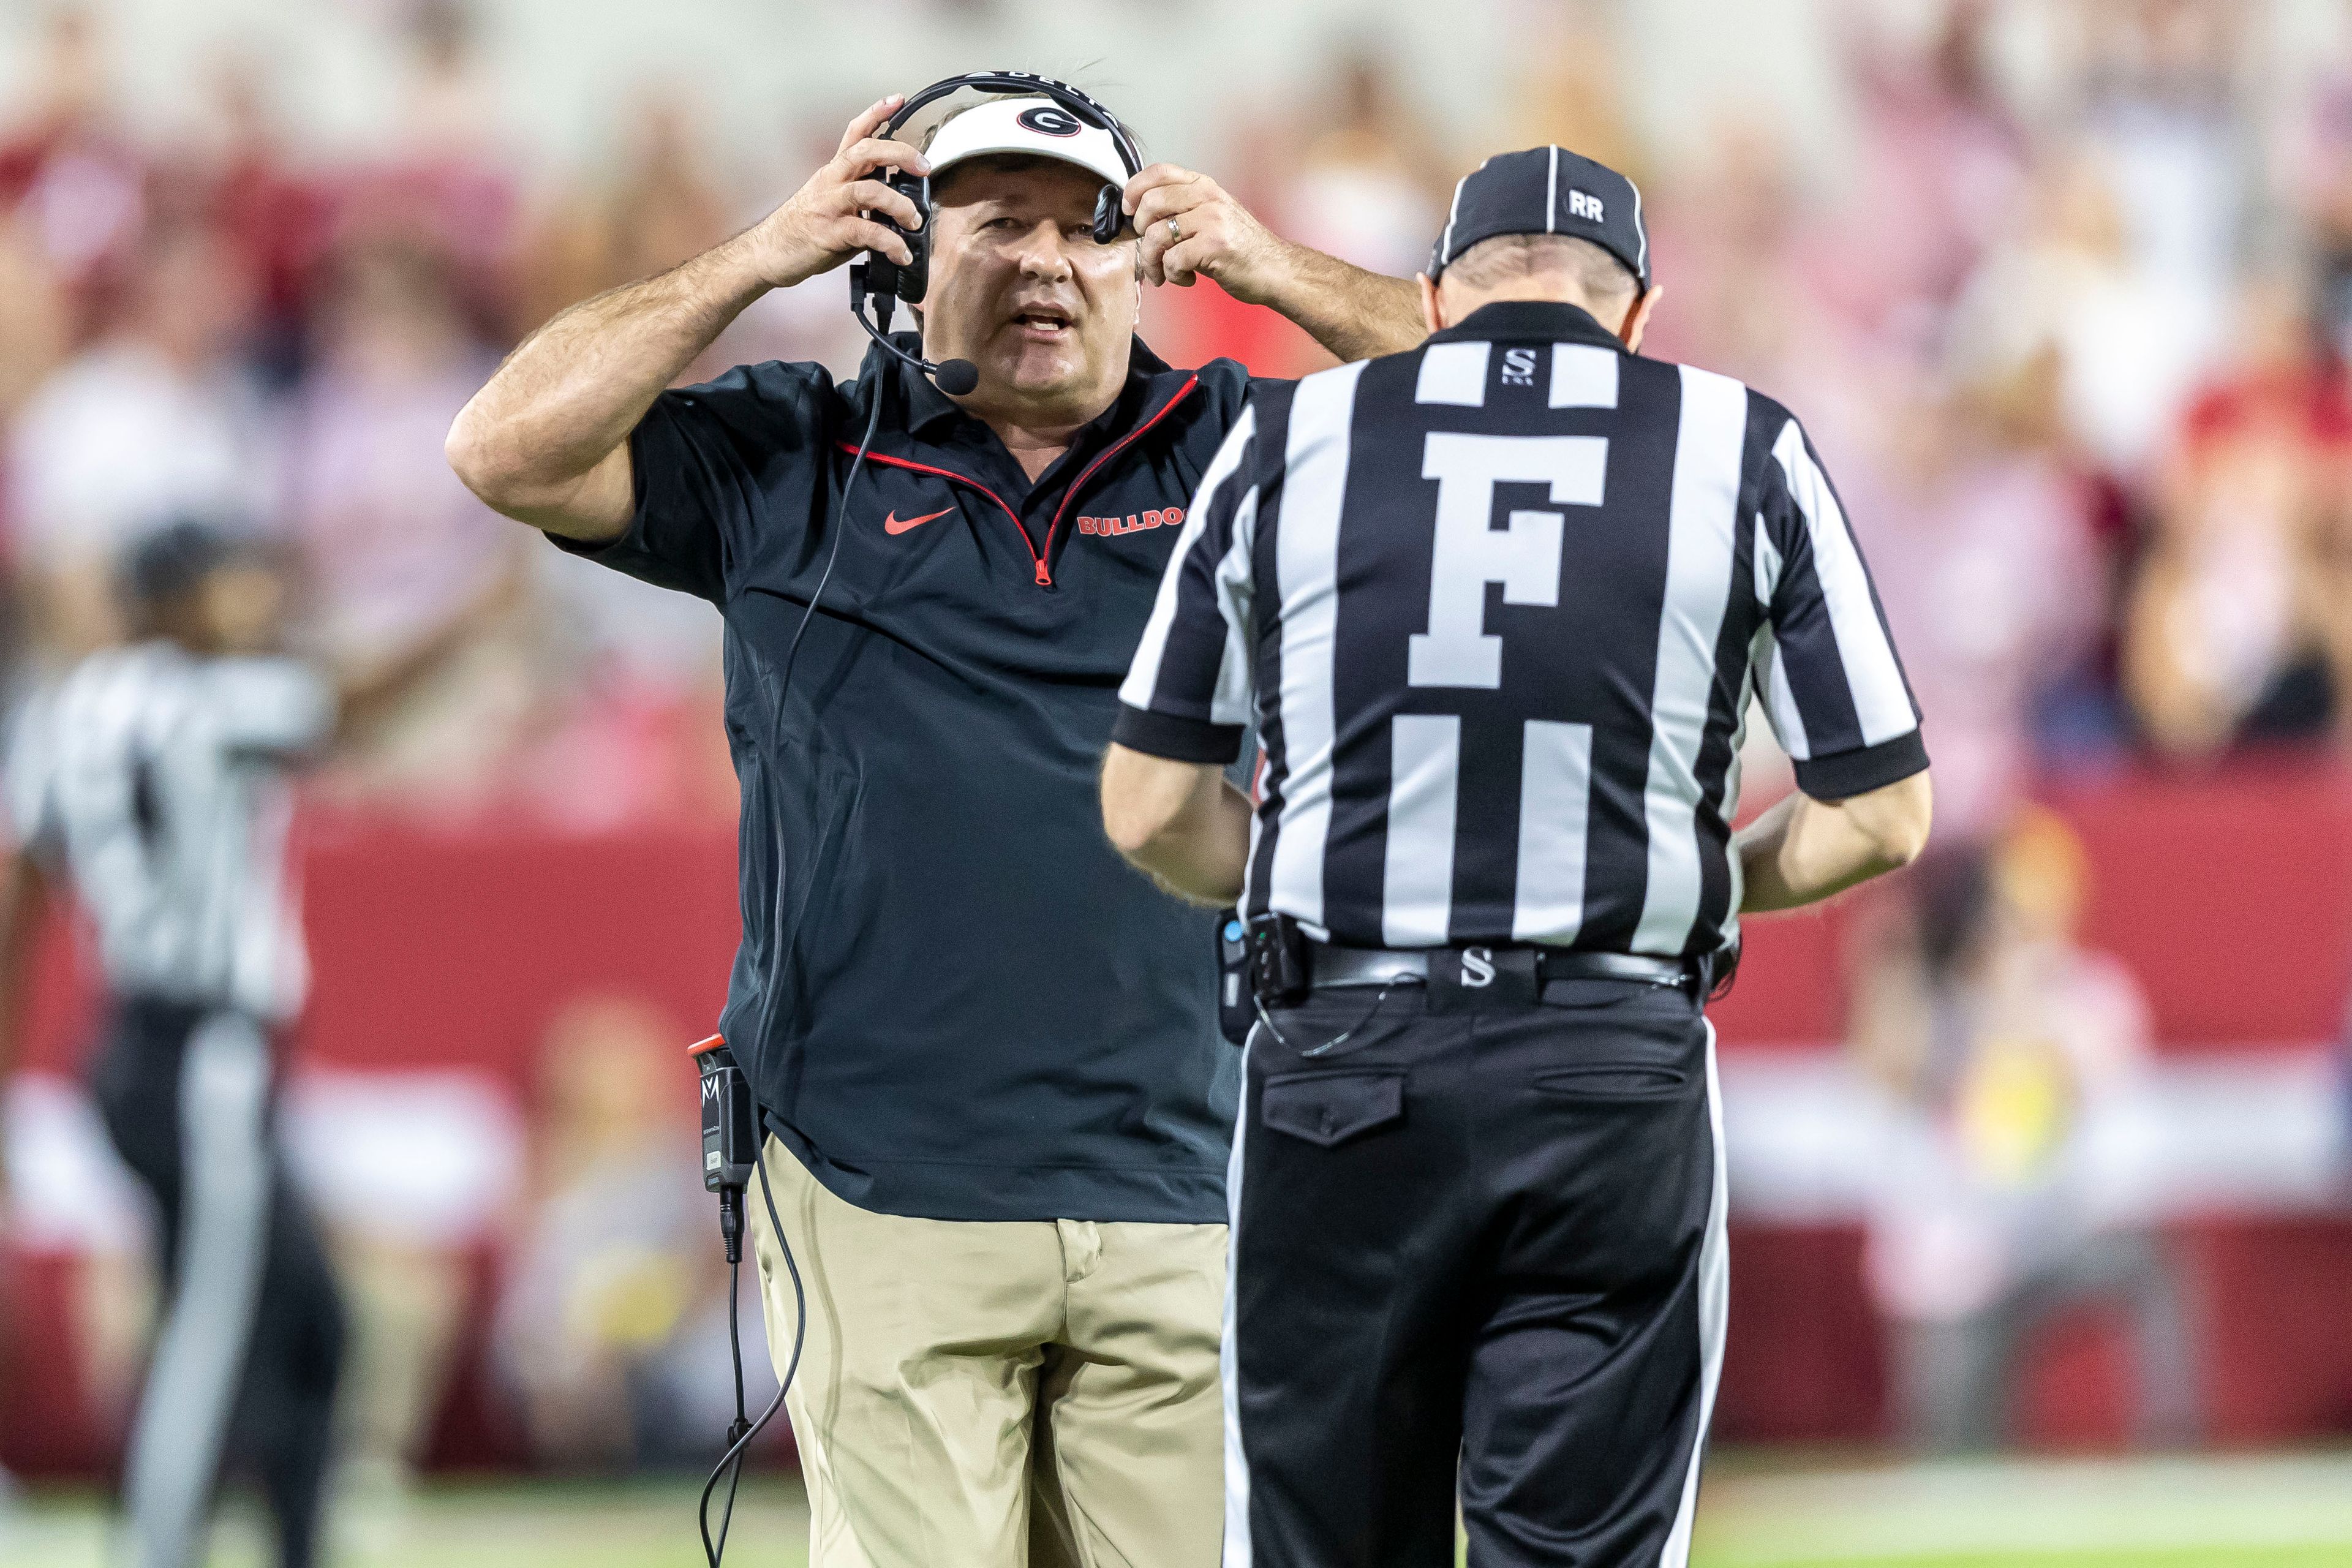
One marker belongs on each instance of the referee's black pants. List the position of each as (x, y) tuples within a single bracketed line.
[(250, 1342), (1478, 1254)]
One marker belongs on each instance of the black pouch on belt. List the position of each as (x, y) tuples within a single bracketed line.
[(1279, 974)]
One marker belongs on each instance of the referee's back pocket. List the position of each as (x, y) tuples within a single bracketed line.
[(1329, 1108), (1627, 1080)]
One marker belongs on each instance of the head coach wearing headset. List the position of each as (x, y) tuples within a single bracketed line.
[(985, 1049)]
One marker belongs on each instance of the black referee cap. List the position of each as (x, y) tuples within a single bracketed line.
[(1546, 190)]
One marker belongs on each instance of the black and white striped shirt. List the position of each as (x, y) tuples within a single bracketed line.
[(1497, 606), (159, 781)]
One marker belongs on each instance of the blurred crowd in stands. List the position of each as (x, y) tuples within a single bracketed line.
[(2077, 357), (2078, 372), (2076, 364), (219, 329)]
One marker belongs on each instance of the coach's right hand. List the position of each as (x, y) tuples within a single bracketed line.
[(820, 227), (547, 440)]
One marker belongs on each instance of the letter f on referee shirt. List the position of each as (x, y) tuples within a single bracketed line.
[(1499, 640), (1469, 551)]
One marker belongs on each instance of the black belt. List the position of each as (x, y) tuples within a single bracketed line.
[(1332, 967)]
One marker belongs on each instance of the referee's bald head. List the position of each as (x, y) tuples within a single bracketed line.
[(1600, 277)]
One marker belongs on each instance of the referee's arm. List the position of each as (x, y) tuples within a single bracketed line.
[(1836, 698), (1804, 849), (1167, 805), (1182, 822)]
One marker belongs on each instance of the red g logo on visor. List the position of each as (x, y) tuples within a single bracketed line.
[(1048, 119)]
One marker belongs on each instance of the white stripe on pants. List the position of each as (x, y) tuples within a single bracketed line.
[(1237, 1478), (1714, 1313), (192, 1384)]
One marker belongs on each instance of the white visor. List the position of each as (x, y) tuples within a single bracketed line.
[(1035, 127)]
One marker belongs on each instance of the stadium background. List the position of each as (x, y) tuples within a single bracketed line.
[(2064, 289)]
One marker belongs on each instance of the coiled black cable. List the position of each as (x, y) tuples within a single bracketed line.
[(740, 1433)]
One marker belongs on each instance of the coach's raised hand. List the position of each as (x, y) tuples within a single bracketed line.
[(824, 224), (546, 442), (1192, 227)]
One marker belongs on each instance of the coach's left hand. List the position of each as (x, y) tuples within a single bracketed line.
[(1214, 236)]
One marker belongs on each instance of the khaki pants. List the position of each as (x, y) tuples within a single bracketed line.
[(999, 1395)]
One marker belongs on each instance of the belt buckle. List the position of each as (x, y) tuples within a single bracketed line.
[(1483, 978)]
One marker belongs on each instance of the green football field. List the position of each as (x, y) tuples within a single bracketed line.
[(1761, 1511)]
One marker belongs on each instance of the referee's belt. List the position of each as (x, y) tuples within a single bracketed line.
[(1333, 967)]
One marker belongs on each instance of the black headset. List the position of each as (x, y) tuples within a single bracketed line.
[(892, 281), (1069, 110)]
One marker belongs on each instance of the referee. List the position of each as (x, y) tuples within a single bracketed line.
[(1497, 606), (157, 777)]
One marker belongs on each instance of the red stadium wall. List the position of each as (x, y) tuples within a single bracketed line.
[(2231, 903), (455, 949), (2232, 900)]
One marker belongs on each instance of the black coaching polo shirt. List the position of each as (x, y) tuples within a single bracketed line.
[(954, 999)]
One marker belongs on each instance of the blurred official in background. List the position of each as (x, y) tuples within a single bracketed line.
[(1478, 1197), (155, 778), (986, 1049)]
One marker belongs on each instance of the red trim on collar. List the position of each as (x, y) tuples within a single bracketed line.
[(1107, 453), (1040, 557), (1044, 578)]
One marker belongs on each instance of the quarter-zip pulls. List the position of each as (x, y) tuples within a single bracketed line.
[(1040, 557), (1105, 456)]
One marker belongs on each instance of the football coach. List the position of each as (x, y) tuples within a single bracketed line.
[(1498, 606), (986, 1049)]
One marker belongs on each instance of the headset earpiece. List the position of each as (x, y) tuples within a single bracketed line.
[(909, 280), (1111, 214)]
